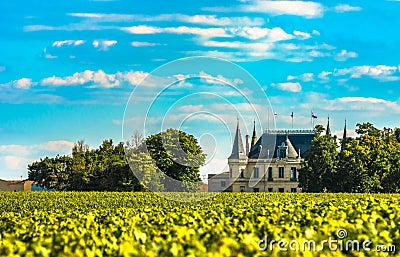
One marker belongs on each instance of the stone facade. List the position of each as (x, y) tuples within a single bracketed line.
[(218, 182), (269, 164), (16, 185)]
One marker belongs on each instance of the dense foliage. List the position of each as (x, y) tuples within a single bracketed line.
[(109, 167), (368, 163), (178, 155), (229, 224)]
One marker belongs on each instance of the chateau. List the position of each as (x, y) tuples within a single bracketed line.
[(269, 163)]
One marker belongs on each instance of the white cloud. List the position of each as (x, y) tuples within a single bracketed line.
[(344, 55), (316, 32), (193, 19), (278, 34), (68, 42), (349, 133), (104, 44), (58, 147), (14, 150), (32, 28), (370, 104), (288, 86), (225, 44), (143, 29), (250, 32), (192, 108), (23, 83), (305, 9), (324, 75), (16, 158), (379, 72), (341, 8), (219, 79), (261, 38), (221, 21), (301, 35), (15, 163), (306, 77), (143, 44), (99, 78), (139, 77), (106, 17), (268, 35), (205, 32), (265, 48), (2, 68)]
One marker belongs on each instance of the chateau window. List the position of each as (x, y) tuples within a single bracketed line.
[(270, 174), (256, 190), (281, 151), (223, 184), (270, 189), (293, 190), (255, 172), (281, 190), (230, 173), (293, 174), (241, 188), (281, 172), (242, 173)]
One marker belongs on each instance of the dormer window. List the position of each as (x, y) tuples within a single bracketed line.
[(282, 151)]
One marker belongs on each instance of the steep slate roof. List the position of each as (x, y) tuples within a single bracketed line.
[(292, 153), (238, 149), (270, 141)]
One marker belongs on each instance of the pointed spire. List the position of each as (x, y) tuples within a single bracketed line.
[(254, 138), (344, 135), (328, 129), (237, 149)]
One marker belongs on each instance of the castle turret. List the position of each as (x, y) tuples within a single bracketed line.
[(238, 149)]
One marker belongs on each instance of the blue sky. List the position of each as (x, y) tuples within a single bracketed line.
[(67, 69)]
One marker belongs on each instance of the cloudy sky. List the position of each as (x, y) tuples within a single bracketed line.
[(68, 68)]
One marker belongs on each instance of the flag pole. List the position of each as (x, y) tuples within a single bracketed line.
[(292, 120), (312, 122)]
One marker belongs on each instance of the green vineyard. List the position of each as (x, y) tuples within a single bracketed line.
[(228, 224)]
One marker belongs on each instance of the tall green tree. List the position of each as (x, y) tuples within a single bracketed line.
[(178, 155), (145, 170), (318, 170), (352, 175), (51, 173)]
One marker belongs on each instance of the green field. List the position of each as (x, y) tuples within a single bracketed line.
[(229, 224)]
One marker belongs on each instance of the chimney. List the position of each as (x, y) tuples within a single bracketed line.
[(247, 144)]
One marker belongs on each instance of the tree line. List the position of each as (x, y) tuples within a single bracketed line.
[(368, 163), (113, 167)]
